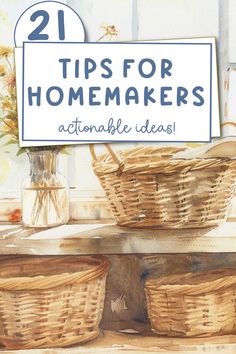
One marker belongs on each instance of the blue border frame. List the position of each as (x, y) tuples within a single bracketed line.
[(127, 43)]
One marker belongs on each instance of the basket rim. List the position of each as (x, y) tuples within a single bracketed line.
[(205, 282), (43, 282), (156, 160)]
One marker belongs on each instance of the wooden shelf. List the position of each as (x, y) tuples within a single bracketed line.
[(113, 342), (82, 239)]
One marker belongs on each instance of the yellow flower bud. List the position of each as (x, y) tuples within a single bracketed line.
[(2, 70)]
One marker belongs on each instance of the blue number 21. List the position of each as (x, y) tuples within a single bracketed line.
[(37, 34)]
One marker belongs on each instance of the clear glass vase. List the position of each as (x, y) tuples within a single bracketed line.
[(45, 193)]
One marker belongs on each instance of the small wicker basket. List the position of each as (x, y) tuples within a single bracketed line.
[(51, 301), (193, 304), (146, 187)]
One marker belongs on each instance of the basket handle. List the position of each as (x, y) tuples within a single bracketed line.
[(116, 159), (229, 122)]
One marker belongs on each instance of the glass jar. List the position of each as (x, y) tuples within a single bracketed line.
[(45, 192)]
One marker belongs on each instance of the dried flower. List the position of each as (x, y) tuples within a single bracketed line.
[(110, 31), (11, 80), (8, 102), (5, 51)]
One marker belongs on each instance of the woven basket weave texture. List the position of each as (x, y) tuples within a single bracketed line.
[(147, 187), (193, 304), (51, 301)]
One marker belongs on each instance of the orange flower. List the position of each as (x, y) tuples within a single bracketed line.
[(15, 215)]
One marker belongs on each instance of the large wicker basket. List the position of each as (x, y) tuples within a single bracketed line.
[(146, 187), (193, 304), (51, 301)]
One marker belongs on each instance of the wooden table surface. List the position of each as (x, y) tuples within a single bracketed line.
[(113, 342), (82, 239)]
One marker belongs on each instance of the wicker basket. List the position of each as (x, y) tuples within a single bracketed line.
[(146, 187), (193, 304), (51, 301)]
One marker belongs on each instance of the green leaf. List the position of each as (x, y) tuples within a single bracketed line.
[(3, 134), (65, 151), (20, 151), (11, 142)]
